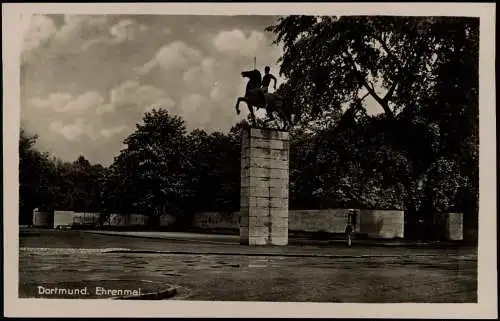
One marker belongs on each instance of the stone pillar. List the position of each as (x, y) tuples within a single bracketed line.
[(455, 226), (449, 226), (264, 187)]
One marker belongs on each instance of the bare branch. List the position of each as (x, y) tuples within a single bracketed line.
[(391, 90), (364, 96), (371, 90), (407, 67), (387, 50), (371, 84)]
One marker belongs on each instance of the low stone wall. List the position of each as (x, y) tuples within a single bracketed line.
[(43, 219), (63, 218), (449, 226), (374, 223), (382, 224), (327, 220), (85, 218), (126, 220), (216, 220), (166, 220), (75, 219)]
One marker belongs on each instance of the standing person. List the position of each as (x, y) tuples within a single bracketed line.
[(351, 225), (348, 232)]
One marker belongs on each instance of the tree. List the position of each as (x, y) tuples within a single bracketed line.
[(423, 74), (86, 180), (332, 61), (27, 179), (64, 185), (215, 171), (48, 183), (150, 175), (36, 172)]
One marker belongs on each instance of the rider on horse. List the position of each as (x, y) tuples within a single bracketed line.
[(257, 95), (266, 81)]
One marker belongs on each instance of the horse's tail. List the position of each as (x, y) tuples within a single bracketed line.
[(286, 110), (288, 113)]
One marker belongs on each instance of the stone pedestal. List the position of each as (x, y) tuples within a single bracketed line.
[(264, 187)]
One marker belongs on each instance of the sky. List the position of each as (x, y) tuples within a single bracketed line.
[(87, 80)]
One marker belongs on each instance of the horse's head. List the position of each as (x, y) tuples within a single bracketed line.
[(252, 74), (254, 79)]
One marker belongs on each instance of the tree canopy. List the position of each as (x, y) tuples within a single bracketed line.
[(422, 72), (335, 61)]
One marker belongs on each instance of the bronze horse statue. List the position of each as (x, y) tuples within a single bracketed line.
[(255, 96)]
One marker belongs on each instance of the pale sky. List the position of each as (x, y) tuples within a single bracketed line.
[(87, 80)]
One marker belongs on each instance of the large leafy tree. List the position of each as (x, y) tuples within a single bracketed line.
[(332, 61), (151, 175), (29, 160), (37, 174), (346, 165), (48, 183), (78, 185), (215, 172), (422, 73)]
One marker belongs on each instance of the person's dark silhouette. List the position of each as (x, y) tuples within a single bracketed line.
[(266, 81)]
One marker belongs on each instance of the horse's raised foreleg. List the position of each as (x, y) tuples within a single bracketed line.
[(238, 101)]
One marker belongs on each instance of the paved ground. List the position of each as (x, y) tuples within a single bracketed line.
[(293, 240), (210, 271)]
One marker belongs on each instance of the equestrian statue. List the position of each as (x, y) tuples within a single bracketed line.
[(257, 95)]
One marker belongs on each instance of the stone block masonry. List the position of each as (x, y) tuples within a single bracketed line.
[(264, 187)]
